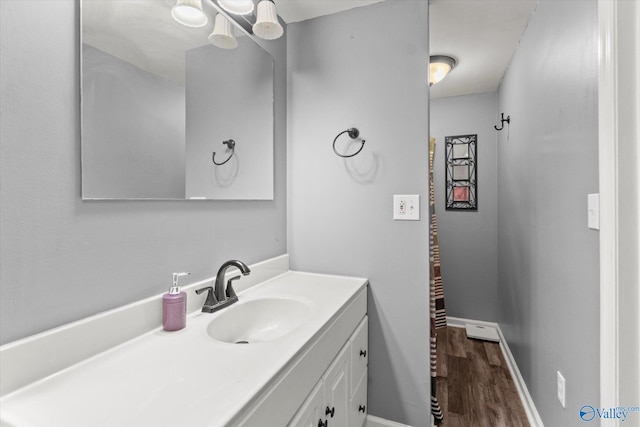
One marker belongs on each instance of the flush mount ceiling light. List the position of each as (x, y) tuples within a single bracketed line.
[(439, 67), (189, 13), (267, 26), (222, 35), (237, 7)]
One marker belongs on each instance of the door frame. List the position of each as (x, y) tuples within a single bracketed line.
[(619, 229)]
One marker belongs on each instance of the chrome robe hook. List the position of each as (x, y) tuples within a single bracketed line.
[(502, 120)]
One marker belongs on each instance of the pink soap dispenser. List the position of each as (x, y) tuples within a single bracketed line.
[(174, 306)]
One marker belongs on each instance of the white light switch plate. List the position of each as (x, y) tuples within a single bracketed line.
[(593, 211), (562, 389), (406, 207)]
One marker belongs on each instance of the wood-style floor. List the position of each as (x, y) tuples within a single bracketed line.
[(474, 386)]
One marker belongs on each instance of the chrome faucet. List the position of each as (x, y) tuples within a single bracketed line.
[(219, 297)]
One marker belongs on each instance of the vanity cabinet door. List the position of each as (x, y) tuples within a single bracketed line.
[(359, 354), (358, 405), (311, 413), (339, 399), (359, 366), (336, 390)]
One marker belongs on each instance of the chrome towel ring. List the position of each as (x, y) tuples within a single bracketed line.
[(230, 143), (353, 134)]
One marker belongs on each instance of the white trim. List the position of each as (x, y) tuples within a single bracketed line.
[(460, 322), (521, 386), (608, 182), (373, 421)]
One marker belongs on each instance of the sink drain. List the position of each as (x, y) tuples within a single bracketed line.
[(242, 342)]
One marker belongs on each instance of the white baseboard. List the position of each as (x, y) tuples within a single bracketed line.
[(373, 421), (458, 322), (525, 397)]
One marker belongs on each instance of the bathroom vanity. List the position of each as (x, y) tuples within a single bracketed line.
[(292, 351)]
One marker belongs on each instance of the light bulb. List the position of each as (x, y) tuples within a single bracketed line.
[(189, 13), (237, 7), (439, 67), (222, 35), (267, 26)]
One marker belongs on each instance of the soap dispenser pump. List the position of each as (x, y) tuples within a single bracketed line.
[(174, 306)]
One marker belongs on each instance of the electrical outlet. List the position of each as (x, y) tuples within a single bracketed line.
[(406, 207), (561, 389)]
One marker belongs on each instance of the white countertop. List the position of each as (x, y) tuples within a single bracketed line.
[(182, 378)]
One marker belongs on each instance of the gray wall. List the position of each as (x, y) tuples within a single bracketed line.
[(229, 96), (366, 68), (133, 130), (548, 258), (63, 259), (468, 239)]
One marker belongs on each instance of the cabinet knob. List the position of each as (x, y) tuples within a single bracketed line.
[(362, 408), (323, 424), (330, 411), (363, 353)]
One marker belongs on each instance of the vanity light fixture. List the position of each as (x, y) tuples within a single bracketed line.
[(222, 35), (189, 13), (237, 7), (439, 67), (267, 26)]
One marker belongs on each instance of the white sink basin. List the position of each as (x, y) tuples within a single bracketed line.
[(258, 320)]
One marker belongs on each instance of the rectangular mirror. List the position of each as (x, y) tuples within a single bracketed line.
[(159, 99)]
